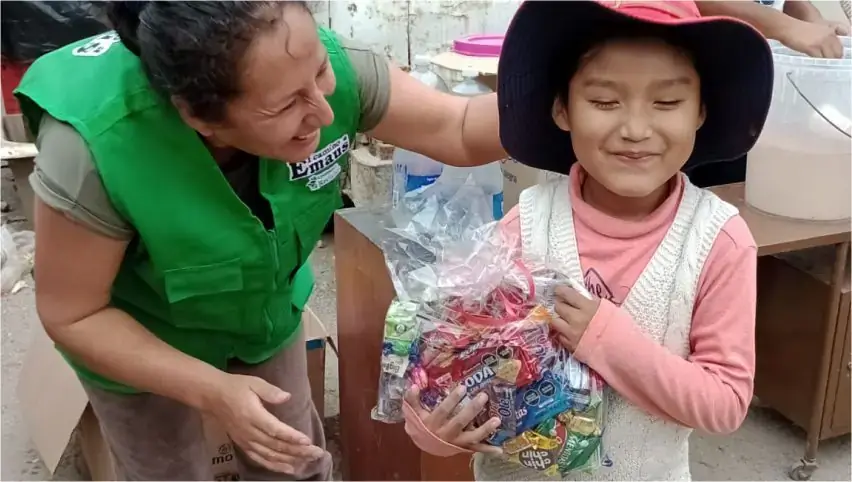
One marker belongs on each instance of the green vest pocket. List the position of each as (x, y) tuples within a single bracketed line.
[(198, 295)]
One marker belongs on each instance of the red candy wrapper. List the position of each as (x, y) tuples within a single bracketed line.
[(473, 356)]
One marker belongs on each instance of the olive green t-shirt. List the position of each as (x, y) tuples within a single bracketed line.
[(65, 177)]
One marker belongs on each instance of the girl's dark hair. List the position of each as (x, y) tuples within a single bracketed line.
[(192, 50)]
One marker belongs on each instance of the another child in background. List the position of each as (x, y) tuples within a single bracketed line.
[(633, 91)]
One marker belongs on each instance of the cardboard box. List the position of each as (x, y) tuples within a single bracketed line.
[(54, 404), (450, 65), (516, 178)]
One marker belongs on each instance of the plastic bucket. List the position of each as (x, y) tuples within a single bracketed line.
[(801, 167)]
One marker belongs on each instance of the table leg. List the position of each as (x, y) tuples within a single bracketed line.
[(806, 467)]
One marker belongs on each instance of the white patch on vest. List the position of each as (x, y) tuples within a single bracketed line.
[(97, 46), (324, 177), (321, 168)]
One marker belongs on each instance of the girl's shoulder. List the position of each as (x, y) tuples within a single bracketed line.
[(736, 234)]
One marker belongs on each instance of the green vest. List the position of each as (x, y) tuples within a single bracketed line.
[(203, 274)]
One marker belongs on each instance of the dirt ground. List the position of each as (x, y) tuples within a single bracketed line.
[(763, 449)]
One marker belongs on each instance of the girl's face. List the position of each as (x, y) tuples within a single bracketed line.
[(633, 109)]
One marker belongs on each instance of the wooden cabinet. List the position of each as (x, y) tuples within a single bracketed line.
[(792, 324), (837, 420), (372, 450), (802, 321)]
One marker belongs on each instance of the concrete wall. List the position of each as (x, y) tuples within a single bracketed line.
[(405, 28)]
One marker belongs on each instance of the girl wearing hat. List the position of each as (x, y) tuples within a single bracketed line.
[(621, 96)]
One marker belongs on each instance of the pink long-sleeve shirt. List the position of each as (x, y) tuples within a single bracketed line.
[(711, 389)]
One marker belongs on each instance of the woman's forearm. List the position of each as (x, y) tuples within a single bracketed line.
[(113, 344)]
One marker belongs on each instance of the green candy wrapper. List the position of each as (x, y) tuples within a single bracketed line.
[(401, 327)]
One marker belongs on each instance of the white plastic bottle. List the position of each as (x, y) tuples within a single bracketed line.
[(490, 176), (470, 87), (412, 170), (423, 72)]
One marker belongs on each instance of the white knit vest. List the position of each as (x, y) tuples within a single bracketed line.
[(640, 446)]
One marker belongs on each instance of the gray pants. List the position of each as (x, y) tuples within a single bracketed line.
[(157, 438)]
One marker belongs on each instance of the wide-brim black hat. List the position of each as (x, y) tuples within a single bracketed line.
[(733, 60)]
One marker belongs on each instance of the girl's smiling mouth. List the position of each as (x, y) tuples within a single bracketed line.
[(634, 156)]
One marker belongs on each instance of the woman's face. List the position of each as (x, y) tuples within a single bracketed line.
[(284, 79), (633, 110)]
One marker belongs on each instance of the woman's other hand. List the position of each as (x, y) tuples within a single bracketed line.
[(452, 425), (800, 26), (238, 404), (818, 39), (840, 28)]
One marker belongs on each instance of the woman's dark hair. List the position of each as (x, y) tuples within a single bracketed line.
[(192, 50)]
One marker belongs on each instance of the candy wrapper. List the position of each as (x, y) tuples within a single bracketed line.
[(471, 310), (571, 441)]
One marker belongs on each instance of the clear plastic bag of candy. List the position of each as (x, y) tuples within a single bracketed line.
[(471, 310)]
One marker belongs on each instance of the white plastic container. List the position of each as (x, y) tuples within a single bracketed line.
[(490, 176), (801, 166), (412, 170)]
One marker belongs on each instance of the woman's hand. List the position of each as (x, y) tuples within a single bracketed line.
[(840, 28), (453, 429), (814, 39), (269, 442)]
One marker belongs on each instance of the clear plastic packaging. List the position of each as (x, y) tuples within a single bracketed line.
[(488, 176), (472, 311)]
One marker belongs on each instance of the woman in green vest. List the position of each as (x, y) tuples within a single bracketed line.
[(188, 163)]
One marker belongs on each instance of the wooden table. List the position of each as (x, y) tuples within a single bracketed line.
[(376, 451), (777, 235)]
